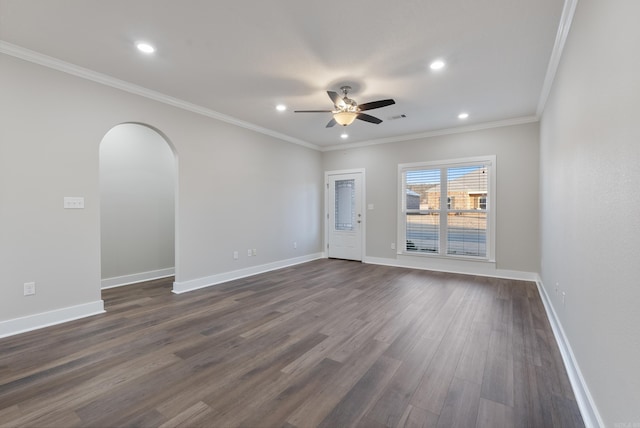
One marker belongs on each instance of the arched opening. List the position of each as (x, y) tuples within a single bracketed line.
[(138, 175)]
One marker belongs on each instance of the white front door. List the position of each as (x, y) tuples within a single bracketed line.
[(345, 216)]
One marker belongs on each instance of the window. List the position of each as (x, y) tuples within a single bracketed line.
[(483, 203), (446, 208), (345, 214)]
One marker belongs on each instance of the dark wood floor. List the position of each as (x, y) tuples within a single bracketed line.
[(328, 343)]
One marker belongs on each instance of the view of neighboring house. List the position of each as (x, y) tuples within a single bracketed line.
[(466, 220), (465, 192)]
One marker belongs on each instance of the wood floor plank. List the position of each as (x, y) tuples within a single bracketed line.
[(473, 359), (274, 412), (498, 378), (392, 329), (10, 413), (365, 422), (434, 386), (55, 418), (257, 380), (354, 341), (77, 395), (524, 332), (363, 394), (328, 342), (460, 408), (495, 415), (284, 317), (125, 402), (415, 417), (407, 339), (192, 416), (394, 400), (319, 352), (316, 408), (474, 354)]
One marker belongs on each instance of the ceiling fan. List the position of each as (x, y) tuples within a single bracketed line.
[(347, 110)]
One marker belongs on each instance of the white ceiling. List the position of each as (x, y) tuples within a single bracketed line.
[(241, 58)]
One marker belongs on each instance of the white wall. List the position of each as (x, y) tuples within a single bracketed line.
[(137, 203), (516, 149), (590, 203), (232, 185)]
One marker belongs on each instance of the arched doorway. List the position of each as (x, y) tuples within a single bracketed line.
[(138, 172)]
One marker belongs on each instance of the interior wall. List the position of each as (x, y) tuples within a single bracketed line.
[(516, 149), (137, 202), (232, 186), (590, 150)]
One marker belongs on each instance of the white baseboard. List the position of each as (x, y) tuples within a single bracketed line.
[(466, 267), (587, 406), (46, 319), (119, 281), (195, 284)]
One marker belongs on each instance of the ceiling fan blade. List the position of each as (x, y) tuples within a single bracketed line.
[(337, 99), (331, 123), (375, 104), (313, 111), (368, 118)]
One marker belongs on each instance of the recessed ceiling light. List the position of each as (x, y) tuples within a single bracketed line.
[(437, 64), (145, 47), (344, 136), (463, 115), (281, 107)]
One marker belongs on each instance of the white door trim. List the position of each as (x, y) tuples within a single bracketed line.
[(325, 215)]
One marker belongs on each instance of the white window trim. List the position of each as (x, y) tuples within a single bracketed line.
[(490, 161)]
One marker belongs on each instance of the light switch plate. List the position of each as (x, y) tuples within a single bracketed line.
[(73, 202), (29, 288)]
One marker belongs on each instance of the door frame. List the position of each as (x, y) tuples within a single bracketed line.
[(363, 203), (106, 283)]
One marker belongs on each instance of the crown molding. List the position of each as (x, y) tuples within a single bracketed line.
[(564, 26), (436, 133), (84, 73), (103, 79)]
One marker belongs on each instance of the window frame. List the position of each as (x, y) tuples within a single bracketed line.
[(490, 162)]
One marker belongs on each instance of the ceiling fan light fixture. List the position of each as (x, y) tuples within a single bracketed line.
[(347, 110), (345, 118)]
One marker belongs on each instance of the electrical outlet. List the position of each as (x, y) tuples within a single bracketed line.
[(393, 245), (295, 244), (255, 253), (235, 255), (29, 288), (249, 252)]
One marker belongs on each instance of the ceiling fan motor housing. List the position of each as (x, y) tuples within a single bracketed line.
[(348, 110)]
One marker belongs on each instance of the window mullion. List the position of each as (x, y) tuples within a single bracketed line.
[(444, 211)]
